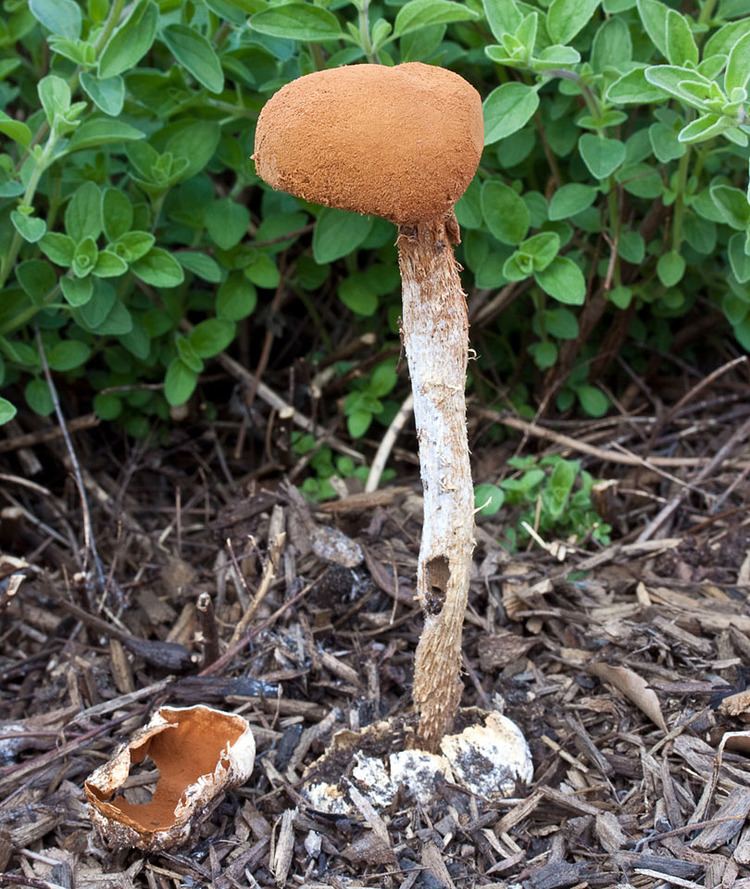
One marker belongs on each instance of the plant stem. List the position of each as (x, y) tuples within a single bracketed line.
[(679, 203), (435, 330)]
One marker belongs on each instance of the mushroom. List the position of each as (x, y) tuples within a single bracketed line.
[(403, 143)]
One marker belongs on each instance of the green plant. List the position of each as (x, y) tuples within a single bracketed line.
[(326, 468), (552, 495), (609, 207)]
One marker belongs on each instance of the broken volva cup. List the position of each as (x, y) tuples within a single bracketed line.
[(200, 752)]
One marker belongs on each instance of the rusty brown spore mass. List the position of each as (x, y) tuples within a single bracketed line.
[(402, 142)]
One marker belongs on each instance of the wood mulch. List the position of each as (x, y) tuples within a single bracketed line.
[(625, 666)]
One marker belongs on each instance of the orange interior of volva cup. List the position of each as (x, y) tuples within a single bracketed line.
[(191, 746)]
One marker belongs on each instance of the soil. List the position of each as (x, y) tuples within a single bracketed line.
[(625, 665)]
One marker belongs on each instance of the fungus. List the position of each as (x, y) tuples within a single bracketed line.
[(198, 751), (403, 143)]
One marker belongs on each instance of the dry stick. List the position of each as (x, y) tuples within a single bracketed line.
[(700, 386), (209, 630), (235, 648), (88, 421), (267, 578), (386, 445), (736, 438), (88, 531), (603, 454)]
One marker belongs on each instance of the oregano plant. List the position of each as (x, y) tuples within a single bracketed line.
[(610, 205)]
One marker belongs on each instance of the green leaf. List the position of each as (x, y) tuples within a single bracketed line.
[(108, 93), (665, 143), (117, 213), (297, 21), (58, 248), (131, 41), (227, 222), (654, 17), (670, 268), (159, 268), (601, 156), (107, 406), (633, 88), (704, 128), (54, 94), (732, 205), (738, 65), (38, 397), (676, 81), (77, 291), (30, 228), (37, 278), (15, 130), (67, 355), (61, 17), (338, 233), (544, 354), (188, 354), (561, 323), (503, 16), (488, 499), (179, 383), (505, 213), (212, 336), (720, 43), (236, 298), (565, 18), (563, 280), (738, 259), (358, 422), (356, 294), (541, 249), (383, 379), (593, 401), (191, 49), (200, 264), (507, 109), (632, 247), (7, 411), (83, 215), (85, 257), (612, 46), (133, 245), (423, 13), (109, 265), (681, 45), (262, 271), (620, 297), (571, 199), (102, 131)]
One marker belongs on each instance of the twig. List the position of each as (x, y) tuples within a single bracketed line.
[(581, 447), (700, 386), (88, 421), (386, 445), (89, 542), (231, 653), (736, 438), (277, 538), (265, 352), (209, 630)]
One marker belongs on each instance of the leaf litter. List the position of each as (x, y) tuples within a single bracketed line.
[(625, 666)]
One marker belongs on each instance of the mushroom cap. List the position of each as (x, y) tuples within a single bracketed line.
[(399, 142)]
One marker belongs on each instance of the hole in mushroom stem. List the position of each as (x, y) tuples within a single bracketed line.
[(437, 575), (138, 789)]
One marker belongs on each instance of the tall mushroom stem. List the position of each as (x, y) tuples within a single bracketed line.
[(435, 330)]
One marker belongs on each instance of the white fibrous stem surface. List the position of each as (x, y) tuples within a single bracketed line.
[(435, 331)]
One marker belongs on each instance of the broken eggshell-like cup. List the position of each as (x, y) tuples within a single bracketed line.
[(487, 756), (199, 752)]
